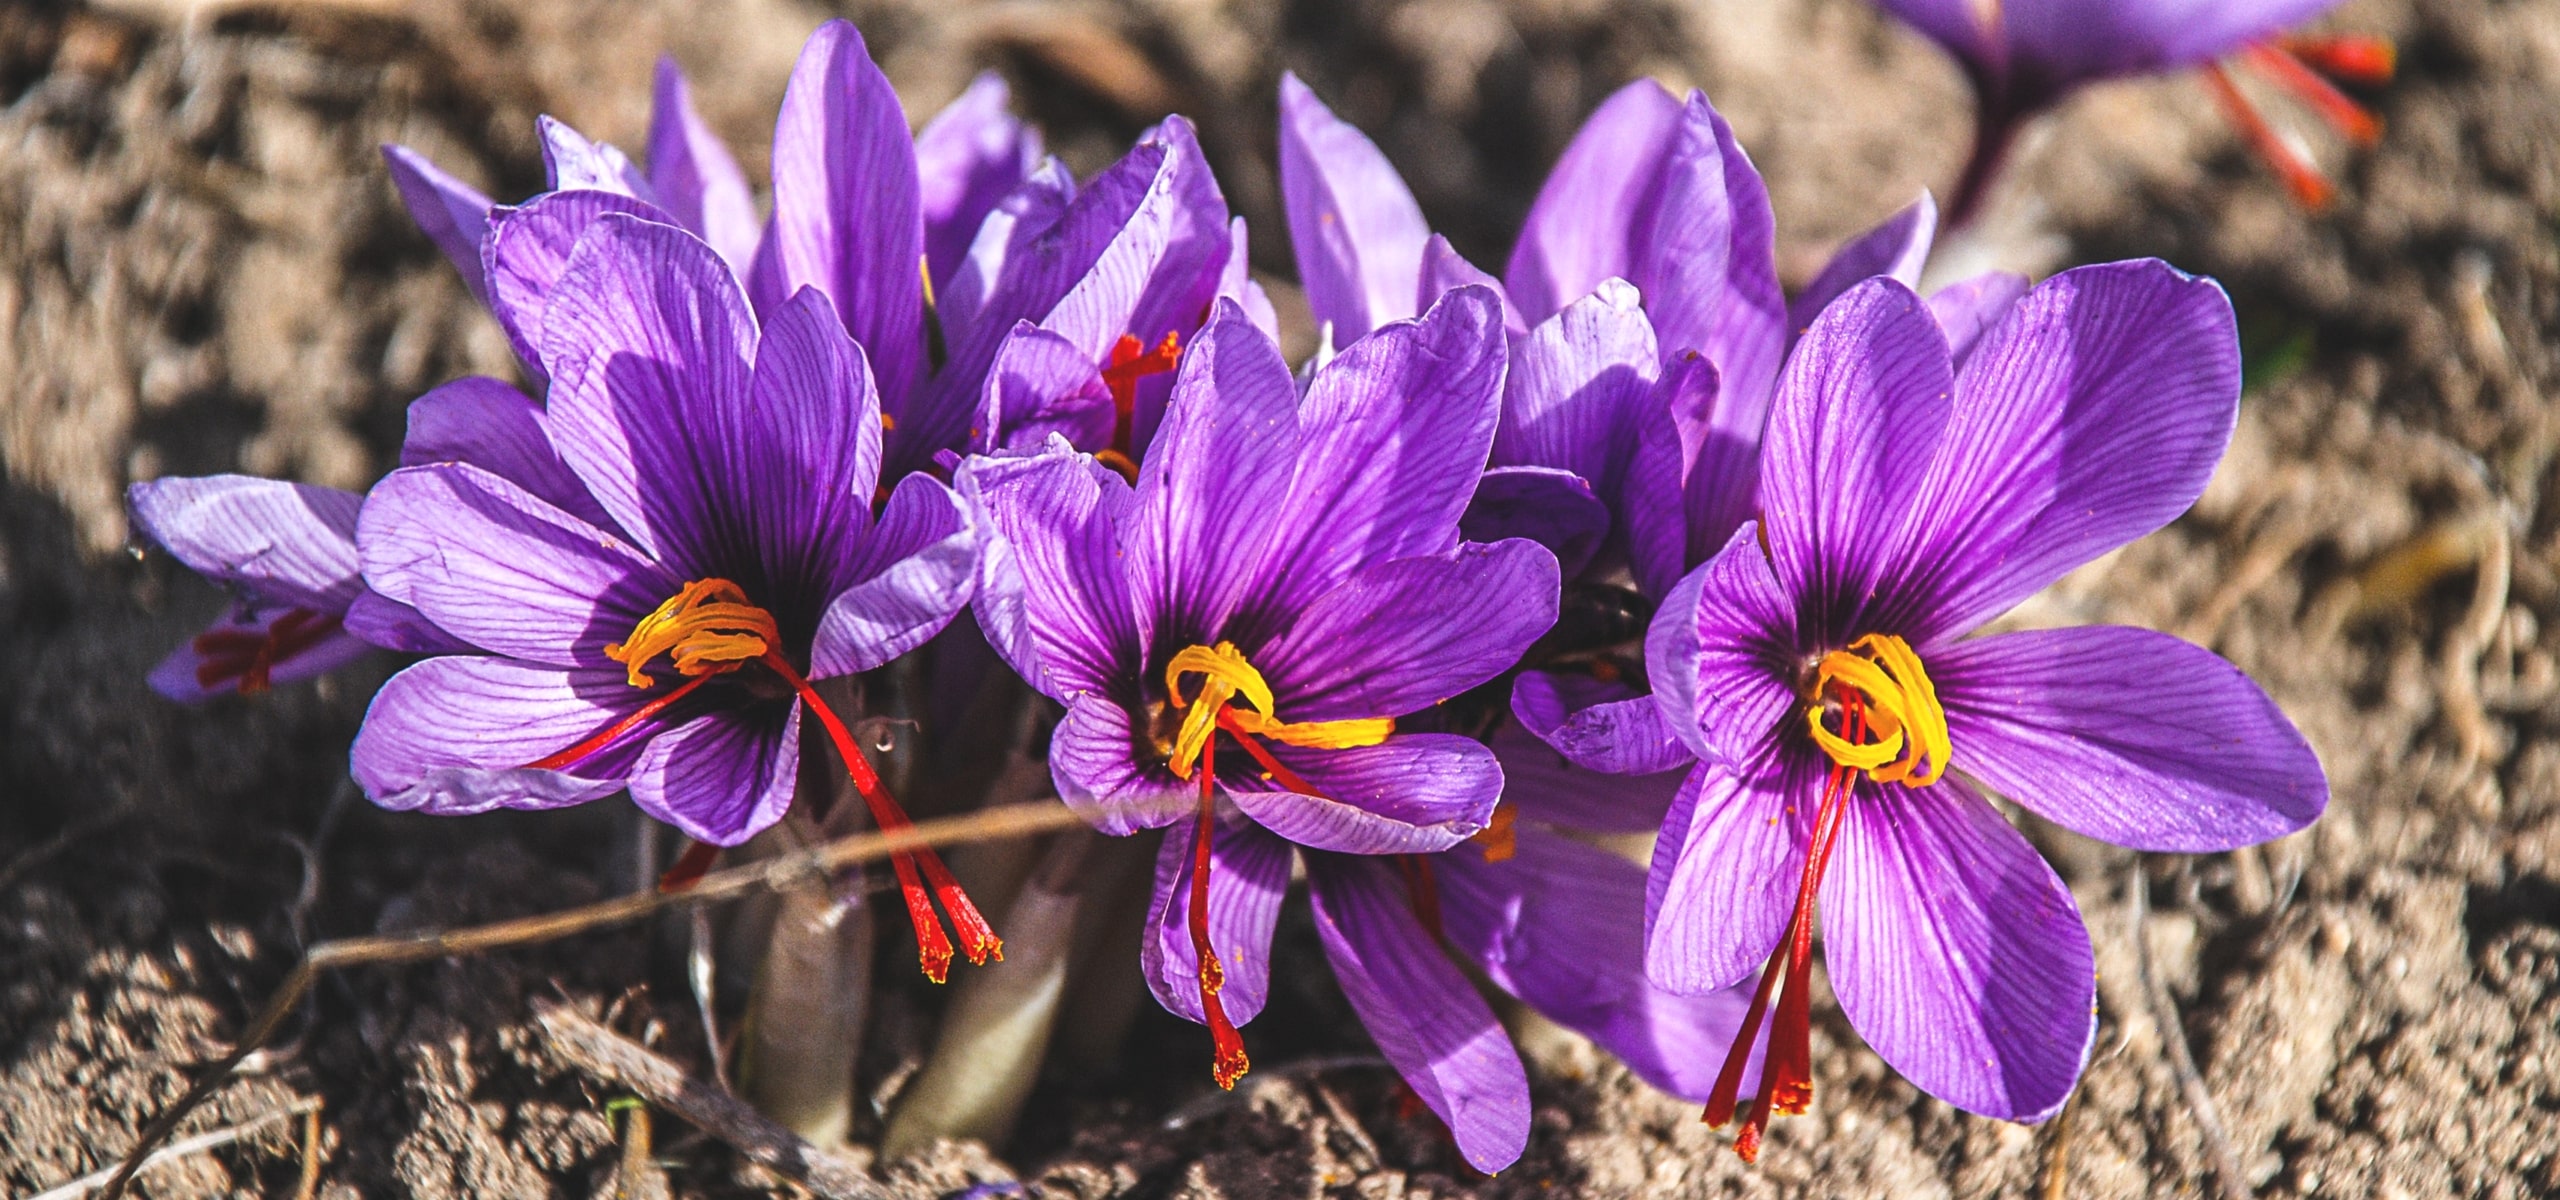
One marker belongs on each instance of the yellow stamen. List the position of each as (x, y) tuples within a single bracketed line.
[(708, 626), (1225, 677), (1905, 724), (1500, 840)]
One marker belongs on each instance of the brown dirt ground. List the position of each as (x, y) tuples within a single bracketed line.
[(208, 271)]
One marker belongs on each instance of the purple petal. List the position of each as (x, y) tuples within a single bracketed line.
[(1722, 655), (1219, 467), (1556, 509), (1575, 385), (1183, 281), (1395, 434), (1726, 883), (1627, 736), (499, 568), (1956, 952), (1577, 231), (1015, 228), (968, 158), (914, 573), (1445, 270), (1092, 759), (1415, 793), (1039, 384), (722, 777), (1674, 440), (289, 544), (1862, 404), (528, 247), (494, 427), (1357, 232), (452, 214), (450, 736), (177, 677), (1969, 308), (792, 465), (847, 215), (695, 179), (1248, 877), (392, 625), (2076, 40), (1560, 925), (1704, 252), (646, 334), (2128, 736), (1053, 598), (1235, 282), (1427, 1019), (1400, 636), (2092, 415), (1898, 248), (1550, 790), (574, 162)]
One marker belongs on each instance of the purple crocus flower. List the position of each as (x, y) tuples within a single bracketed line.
[(1237, 637), (646, 607), (1843, 731), (2025, 57)]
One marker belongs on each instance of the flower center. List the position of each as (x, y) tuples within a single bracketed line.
[(1225, 676), (1905, 739), (710, 628), (1130, 362), (250, 656)]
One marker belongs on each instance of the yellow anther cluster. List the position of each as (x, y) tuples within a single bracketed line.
[(1225, 677), (708, 626), (1906, 727)]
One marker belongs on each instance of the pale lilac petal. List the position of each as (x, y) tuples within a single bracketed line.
[(451, 736), (1400, 636), (1575, 385), (1548, 789), (1395, 432), (1703, 249), (453, 214), (1248, 877), (1623, 736), (1427, 1019), (646, 333), (180, 677), (1956, 952), (1725, 880), (1967, 309), (968, 158), (2090, 416), (290, 544), (391, 625), (847, 216), (1560, 925), (1218, 469), (1093, 761), (722, 777), (1556, 509), (1415, 793), (1041, 384), (694, 176), (1054, 599), (496, 566), (1355, 227), (1898, 248), (914, 573), (574, 162), (1578, 229), (492, 426), (527, 248), (2128, 736), (1862, 404)]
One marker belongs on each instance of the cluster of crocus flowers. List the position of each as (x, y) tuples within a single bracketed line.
[(1720, 550), (2025, 57)]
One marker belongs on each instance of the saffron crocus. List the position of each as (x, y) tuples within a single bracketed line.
[(287, 549), (2025, 57), (1237, 637), (1845, 731), (657, 627)]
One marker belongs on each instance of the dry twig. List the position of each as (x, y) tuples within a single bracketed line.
[(213, 1139), (2219, 1155)]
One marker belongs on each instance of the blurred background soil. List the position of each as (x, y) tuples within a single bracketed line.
[(207, 270)]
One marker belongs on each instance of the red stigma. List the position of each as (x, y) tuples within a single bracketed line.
[(1422, 891), (1130, 362), (2303, 67), (1231, 1062), (250, 656), (690, 867), (1786, 1072)]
